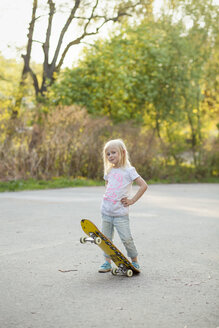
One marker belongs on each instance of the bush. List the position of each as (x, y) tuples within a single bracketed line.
[(69, 142)]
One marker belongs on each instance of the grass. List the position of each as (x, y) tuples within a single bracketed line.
[(55, 183), (177, 179), (61, 182)]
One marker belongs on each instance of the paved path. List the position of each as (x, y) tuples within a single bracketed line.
[(49, 280)]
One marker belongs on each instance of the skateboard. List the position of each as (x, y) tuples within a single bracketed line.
[(124, 266)]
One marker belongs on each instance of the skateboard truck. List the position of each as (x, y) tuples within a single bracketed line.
[(91, 239), (122, 270)]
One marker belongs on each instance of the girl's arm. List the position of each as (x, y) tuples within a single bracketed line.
[(143, 187)]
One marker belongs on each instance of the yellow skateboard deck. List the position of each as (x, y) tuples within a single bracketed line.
[(124, 266)]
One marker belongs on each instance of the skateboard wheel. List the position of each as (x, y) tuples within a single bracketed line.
[(97, 240), (129, 273), (83, 240), (114, 271)]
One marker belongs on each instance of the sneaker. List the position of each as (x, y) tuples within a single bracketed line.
[(136, 265), (105, 267)]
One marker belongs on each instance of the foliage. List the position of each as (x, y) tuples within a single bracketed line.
[(158, 73), (83, 20), (9, 79), (10, 73), (69, 144), (143, 71), (154, 84)]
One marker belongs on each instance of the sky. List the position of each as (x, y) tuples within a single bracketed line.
[(14, 21), (15, 16)]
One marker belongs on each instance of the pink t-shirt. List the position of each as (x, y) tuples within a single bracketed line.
[(119, 186)]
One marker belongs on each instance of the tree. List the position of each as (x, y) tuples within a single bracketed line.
[(201, 46), (156, 72), (134, 73), (9, 81), (87, 18)]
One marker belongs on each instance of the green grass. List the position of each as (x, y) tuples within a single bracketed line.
[(55, 183), (171, 180)]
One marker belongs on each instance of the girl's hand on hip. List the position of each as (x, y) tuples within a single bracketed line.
[(126, 202)]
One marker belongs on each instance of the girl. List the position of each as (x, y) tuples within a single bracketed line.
[(119, 176)]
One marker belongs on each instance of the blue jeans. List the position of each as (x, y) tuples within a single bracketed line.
[(123, 228)]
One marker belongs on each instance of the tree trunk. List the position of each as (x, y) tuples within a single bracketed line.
[(26, 67)]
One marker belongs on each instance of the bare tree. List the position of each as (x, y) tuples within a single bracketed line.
[(89, 15)]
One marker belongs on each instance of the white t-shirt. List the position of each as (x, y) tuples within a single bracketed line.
[(119, 186)]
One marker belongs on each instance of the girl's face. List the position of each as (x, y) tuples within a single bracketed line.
[(113, 157)]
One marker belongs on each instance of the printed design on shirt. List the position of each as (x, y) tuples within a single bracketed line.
[(114, 185)]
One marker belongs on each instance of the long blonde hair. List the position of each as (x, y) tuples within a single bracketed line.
[(123, 155)]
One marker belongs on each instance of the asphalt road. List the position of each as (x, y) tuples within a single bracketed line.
[(49, 280)]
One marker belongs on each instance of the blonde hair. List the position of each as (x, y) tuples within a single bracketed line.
[(123, 155)]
